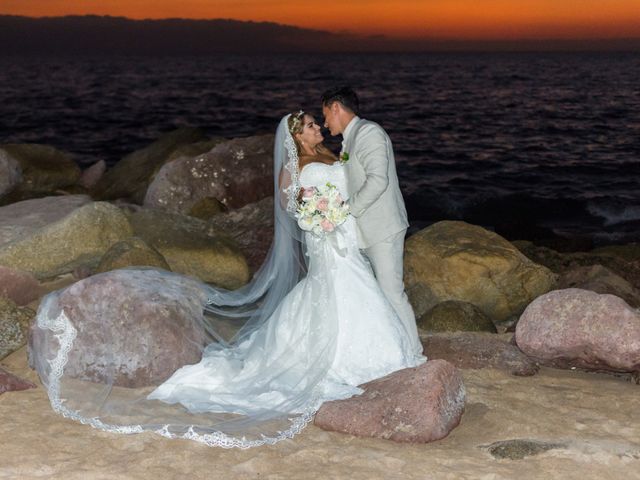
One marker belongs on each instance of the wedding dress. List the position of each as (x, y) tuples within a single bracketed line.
[(311, 326), (337, 311)]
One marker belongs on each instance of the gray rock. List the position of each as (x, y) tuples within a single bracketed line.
[(10, 173), (475, 350), (455, 316), (236, 172), (580, 328), (622, 260), (416, 405), (14, 325), (145, 323), (22, 219), (599, 279), (44, 168), (129, 253), (458, 261), (520, 448), (193, 247), (80, 238)]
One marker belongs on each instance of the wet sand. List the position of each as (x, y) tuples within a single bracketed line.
[(596, 419)]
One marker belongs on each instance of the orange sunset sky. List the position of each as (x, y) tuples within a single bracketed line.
[(446, 19)]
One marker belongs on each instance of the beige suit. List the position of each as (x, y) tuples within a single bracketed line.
[(376, 203)]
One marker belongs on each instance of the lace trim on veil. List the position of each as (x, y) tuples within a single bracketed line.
[(66, 333), (293, 167)]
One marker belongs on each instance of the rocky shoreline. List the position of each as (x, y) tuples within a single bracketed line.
[(488, 309)]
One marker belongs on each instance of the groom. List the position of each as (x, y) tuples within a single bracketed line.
[(375, 199)]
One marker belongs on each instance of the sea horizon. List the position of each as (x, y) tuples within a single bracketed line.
[(518, 142)]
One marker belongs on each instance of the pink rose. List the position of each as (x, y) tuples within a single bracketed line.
[(327, 226), (323, 205)]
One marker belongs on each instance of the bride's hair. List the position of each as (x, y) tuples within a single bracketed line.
[(295, 123)]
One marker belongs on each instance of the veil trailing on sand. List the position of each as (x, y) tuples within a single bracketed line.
[(65, 343)]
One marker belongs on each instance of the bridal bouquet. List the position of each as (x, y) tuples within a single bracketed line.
[(321, 209)]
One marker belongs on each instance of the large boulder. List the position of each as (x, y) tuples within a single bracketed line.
[(14, 325), (10, 173), (193, 247), (579, 328), (130, 177), (476, 350), (135, 327), (236, 172), (455, 316), (251, 227), (131, 252), (22, 219), (18, 286), (416, 405), (80, 238), (44, 169), (458, 261)]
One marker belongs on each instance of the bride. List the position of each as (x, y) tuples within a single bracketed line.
[(316, 325)]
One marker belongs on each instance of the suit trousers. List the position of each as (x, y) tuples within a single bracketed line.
[(386, 259)]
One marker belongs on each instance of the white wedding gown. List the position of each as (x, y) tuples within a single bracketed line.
[(334, 331)]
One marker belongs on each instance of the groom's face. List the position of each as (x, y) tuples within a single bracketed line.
[(331, 120)]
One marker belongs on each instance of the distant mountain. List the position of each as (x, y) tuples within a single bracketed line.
[(118, 35), (94, 34)]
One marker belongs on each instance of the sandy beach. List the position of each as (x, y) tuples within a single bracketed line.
[(592, 418)]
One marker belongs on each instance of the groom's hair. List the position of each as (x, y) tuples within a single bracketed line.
[(343, 94)]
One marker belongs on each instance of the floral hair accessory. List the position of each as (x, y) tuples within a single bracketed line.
[(297, 118)]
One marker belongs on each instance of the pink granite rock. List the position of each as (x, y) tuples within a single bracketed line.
[(9, 382), (416, 405), (90, 176), (135, 327), (580, 328), (476, 350), (236, 173), (19, 286)]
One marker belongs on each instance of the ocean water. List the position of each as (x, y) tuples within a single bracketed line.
[(531, 145)]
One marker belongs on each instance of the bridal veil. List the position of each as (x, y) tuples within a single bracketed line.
[(107, 404)]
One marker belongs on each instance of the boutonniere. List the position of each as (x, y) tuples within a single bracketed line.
[(344, 157)]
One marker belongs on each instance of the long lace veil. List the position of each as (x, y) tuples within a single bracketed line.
[(284, 264), (222, 322)]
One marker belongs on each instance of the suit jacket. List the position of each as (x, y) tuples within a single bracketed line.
[(375, 199)]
